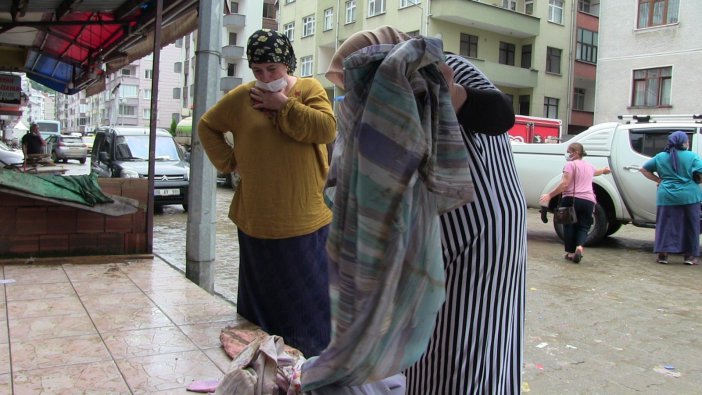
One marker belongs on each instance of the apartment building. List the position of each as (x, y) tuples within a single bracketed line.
[(526, 47), (126, 99), (648, 57)]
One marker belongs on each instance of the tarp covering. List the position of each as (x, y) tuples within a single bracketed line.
[(82, 189)]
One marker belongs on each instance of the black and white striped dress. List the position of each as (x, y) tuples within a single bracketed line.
[(477, 345)]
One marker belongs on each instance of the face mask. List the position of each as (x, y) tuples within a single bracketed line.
[(273, 86), (568, 156)]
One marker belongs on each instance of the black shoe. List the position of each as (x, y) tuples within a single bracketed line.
[(544, 214)]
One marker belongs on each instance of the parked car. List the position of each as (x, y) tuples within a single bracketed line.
[(89, 139), (64, 147), (624, 196), (124, 152), (10, 156)]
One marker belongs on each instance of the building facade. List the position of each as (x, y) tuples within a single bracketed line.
[(648, 55), (525, 47)]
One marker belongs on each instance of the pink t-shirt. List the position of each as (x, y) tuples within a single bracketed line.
[(582, 177)]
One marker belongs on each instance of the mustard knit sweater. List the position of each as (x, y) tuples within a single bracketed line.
[(282, 160)]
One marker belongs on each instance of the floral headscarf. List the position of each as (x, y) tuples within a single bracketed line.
[(675, 143), (269, 46)]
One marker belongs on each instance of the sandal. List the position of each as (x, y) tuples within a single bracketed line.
[(568, 257), (578, 255), (662, 258), (690, 260)]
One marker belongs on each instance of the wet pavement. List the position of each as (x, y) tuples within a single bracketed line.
[(617, 323)]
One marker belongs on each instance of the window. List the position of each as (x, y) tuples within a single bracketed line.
[(376, 7), (586, 47), (526, 56), (524, 104), (146, 114), (179, 43), (130, 91), (413, 33), (147, 93), (584, 6), (553, 60), (127, 110), (308, 26), (550, 107), (269, 11), (289, 31), (328, 19), (509, 4), (233, 38), (231, 69), (148, 74), (529, 7), (351, 11), (650, 142), (234, 7), (555, 11), (176, 93), (407, 3), (506, 53), (469, 45), (657, 12), (652, 87), (177, 67), (578, 99), (306, 66), (289, 1), (126, 71)]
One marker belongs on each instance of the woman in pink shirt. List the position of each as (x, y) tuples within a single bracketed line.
[(576, 190)]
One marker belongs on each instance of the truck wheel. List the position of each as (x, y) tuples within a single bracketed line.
[(598, 230)]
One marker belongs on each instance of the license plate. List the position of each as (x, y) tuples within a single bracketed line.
[(166, 192)]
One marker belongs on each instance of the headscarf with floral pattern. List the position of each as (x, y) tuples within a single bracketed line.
[(269, 46)]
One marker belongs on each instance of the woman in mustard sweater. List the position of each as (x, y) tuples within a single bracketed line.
[(281, 125)]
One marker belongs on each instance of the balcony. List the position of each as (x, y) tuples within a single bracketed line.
[(234, 20), (228, 83), (507, 76), (485, 17), (233, 52)]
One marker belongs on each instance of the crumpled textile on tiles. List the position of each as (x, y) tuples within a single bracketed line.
[(401, 162), (263, 368)]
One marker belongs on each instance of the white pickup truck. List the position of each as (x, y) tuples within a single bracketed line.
[(624, 196)]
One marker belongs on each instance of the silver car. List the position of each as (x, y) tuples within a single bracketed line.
[(64, 147)]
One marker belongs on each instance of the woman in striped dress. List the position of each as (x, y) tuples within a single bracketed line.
[(476, 347)]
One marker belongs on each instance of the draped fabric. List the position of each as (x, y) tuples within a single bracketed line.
[(399, 162), (477, 343)]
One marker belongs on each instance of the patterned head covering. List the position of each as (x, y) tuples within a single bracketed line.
[(269, 46), (675, 143)]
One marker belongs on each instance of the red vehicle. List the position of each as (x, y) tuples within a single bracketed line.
[(528, 129)]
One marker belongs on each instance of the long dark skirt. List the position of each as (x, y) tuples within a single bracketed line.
[(576, 234), (678, 229), (284, 288)]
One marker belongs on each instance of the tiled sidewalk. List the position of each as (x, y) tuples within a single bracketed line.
[(126, 327)]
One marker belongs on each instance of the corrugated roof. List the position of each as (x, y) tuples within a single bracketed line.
[(69, 45)]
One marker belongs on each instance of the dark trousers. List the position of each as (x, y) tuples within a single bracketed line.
[(576, 234)]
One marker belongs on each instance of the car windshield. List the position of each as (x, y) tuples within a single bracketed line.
[(137, 147)]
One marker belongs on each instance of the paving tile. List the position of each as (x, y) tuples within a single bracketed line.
[(46, 353), (105, 286), (23, 329), (116, 302), (5, 383), (216, 311), (206, 335), (44, 307), (92, 378), (89, 272), (167, 371), (39, 291), (178, 297), (145, 342), (219, 357), (129, 319), (4, 358), (35, 274)]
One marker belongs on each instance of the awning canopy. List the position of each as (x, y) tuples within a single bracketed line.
[(69, 45)]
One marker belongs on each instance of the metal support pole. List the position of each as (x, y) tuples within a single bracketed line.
[(152, 129), (201, 228)]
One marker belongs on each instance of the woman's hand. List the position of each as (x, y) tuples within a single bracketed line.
[(544, 199), (264, 100)]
